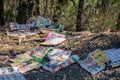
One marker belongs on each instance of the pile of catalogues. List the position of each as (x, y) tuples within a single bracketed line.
[(36, 58), (54, 59), (96, 61), (59, 59)]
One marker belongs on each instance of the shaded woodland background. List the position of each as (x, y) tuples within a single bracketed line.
[(76, 15)]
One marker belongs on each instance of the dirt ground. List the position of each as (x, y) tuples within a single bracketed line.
[(79, 44)]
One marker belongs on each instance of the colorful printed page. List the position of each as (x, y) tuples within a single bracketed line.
[(114, 56), (99, 57), (27, 66), (59, 54), (54, 39), (20, 58), (24, 63), (12, 76), (54, 65), (40, 52), (90, 65)]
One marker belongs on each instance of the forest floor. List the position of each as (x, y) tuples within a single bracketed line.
[(80, 46)]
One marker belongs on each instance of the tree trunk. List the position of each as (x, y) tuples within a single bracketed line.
[(118, 22), (45, 8), (2, 22), (79, 16), (37, 11)]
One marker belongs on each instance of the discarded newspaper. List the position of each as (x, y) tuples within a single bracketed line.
[(114, 57), (40, 52), (90, 65), (59, 54), (95, 62), (12, 76), (54, 65), (99, 57), (54, 39), (24, 63)]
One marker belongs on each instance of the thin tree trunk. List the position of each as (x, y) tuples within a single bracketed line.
[(118, 22), (2, 22), (53, 13), (45, 8), (79, 16), (37, 7)]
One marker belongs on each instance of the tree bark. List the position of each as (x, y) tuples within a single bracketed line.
[(45, 8), (79, 16), (118, 22), (2, 22), (37, 11)]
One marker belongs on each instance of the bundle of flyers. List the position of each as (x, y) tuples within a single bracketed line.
[(40, 52), (59, 54), (24, 63), (54, 39), (12, 76), (95, 62), (54, 65)]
